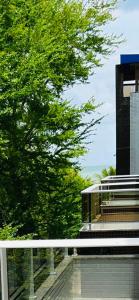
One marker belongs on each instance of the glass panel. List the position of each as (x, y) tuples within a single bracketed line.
[(85, 208), (95, 205), (72, 277), (18, 268), (28, 269), (41, 266), (113, 206)]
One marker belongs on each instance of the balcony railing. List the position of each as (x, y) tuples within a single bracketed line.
[(116, 199), (40, 269)]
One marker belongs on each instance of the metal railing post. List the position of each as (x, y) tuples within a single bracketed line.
[(74, 252), (66, 254), (31, 282), (4, 274), (89, 225), (52, 265)]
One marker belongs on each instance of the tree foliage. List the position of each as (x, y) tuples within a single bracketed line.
[(45, 46), (111, 171), (10, 232)]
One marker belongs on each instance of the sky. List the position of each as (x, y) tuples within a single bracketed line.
[(102, 86)]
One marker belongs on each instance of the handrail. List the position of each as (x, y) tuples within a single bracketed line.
[(121, 176), (100, 187), (70, 243)]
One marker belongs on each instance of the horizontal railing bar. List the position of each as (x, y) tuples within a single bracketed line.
[(116, 190), (118, 183), (71, 243), (123, 176), (93, 191), (119, 180)]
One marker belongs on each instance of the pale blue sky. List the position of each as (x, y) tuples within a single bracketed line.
[(102, 150), (129, 4)]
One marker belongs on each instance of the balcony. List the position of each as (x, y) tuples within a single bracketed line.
[(54, 269), (111, 208)]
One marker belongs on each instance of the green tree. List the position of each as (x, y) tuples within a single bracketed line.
[(9, 232), (45, 46), (111, 171), (62, 215)]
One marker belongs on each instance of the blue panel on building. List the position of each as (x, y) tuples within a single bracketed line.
[(129, 58)]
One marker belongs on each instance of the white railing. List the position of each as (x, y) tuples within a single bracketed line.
[(51, 244), (129, 186), (70, 243)]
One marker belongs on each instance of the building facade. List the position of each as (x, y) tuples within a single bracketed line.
[(127, 115)]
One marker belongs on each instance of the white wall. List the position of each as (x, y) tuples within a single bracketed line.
[(134, 133)]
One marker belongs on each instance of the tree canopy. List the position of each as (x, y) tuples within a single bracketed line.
[(45, 46), (110, 171)]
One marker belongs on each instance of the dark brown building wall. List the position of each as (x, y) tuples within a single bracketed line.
[(122, 126)]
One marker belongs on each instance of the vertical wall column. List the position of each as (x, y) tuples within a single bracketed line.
[(134, 133)]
